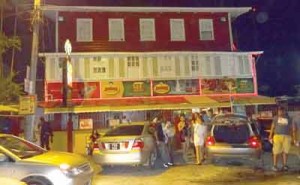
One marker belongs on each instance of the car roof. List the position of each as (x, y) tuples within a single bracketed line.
[(133, 123)]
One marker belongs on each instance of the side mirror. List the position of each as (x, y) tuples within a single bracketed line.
[(3, 157)]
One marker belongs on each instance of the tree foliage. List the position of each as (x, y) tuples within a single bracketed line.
[(9, 91)]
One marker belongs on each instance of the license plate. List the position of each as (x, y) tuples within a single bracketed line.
[(115, 146)]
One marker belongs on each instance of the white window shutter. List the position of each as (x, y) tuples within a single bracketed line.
[(116, 30), (177, 29), (84, 30), (147, 30)]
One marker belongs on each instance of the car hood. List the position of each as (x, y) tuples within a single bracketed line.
[(58, 158), (10, 181)]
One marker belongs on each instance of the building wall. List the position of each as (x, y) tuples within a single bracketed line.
[(221, 42)]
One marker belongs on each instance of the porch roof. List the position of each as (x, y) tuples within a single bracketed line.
[(153, 103)]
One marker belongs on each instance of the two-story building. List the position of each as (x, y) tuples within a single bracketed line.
[(128, 59)]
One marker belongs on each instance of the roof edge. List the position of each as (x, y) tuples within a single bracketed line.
[(234, 11)]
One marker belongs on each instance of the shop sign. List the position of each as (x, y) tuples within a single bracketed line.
[(136, 88), (176, 87), (218, 86), (119, 89), (245, 85), (80, 90), (86, 124), (27, 105)]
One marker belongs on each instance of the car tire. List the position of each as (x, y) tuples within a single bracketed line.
[(37, 181), (152, 159)]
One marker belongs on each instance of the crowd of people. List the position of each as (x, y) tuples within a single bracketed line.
[(190, 133), (183, 133)]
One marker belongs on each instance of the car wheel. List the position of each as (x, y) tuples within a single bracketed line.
[(152, 159), (37, 181)]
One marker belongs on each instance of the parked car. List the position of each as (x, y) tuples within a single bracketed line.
[(32, 164), (127, 144), (11, 181), (233, 136)]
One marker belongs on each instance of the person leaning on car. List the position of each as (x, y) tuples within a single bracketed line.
[(281, 134)]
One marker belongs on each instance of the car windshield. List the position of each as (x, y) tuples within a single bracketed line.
[(128, 130), (231, 133), (19, 147), (230, 119)]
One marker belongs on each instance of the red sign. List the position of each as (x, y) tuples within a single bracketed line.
[(80, 90)]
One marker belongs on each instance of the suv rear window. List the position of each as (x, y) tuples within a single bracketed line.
[(231, 133), (128, 130)]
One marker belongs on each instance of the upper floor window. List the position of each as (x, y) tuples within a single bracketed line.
[(206, 29), (147, 30), (177, 30), (84, 30), (99, 69), (195, 63), (116, 30)]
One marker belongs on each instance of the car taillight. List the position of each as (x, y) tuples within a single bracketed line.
[(254, 142), (138, 144), (210, 140)]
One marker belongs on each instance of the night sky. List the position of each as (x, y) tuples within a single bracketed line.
[(273, 26)]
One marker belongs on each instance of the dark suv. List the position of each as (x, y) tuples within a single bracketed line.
[(234, 136)]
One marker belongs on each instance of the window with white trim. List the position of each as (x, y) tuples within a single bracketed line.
[(84, 30), (206, 29), (116, 30), (177, 30), (99, 70), (147, 29), (133, 62), (195, 63), (133, 67)]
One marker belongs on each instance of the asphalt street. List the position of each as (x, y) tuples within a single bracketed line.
[(223, 172)]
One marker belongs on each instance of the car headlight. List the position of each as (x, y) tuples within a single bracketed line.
[(69, 171)]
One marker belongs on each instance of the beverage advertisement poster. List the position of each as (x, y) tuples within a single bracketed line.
[(176, 87), (218, 86)]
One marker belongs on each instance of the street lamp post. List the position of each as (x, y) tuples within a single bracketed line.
[(67, 92), (67, 73)]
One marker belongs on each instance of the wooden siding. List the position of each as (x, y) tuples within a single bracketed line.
[(67, 30)]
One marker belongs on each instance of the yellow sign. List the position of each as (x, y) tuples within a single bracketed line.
[(27, 104), (86, 124), (161, 88)]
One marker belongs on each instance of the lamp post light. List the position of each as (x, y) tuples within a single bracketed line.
[(67, 73)]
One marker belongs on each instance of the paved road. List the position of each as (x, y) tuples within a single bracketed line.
[(224, 172)]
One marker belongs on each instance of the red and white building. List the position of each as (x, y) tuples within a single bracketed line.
[(147, 58)]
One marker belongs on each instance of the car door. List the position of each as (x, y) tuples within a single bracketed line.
[(6, 165)]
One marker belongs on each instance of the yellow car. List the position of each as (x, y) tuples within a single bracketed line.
[(32, 164), (10, 181)]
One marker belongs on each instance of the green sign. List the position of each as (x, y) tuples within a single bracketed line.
[(136, 88), (245, 85)]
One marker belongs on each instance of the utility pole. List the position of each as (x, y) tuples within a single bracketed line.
[(35, 19)]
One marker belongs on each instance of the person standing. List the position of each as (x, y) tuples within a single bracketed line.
[(184, 135), (169, 131), (281, 134), (161, 143), (199, 135), (46, 134), (296, 131)]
